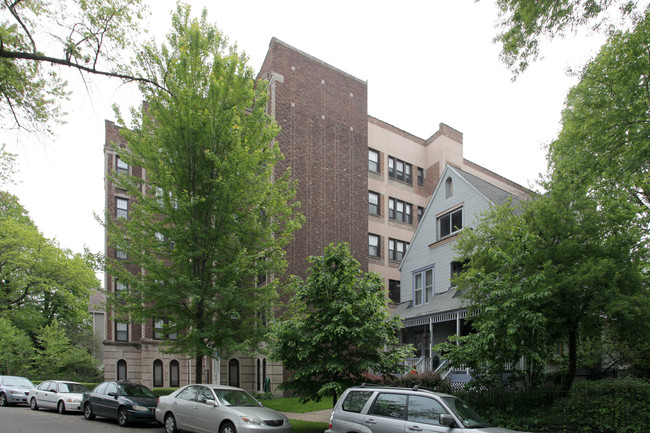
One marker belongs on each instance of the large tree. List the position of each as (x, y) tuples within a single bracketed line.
[(605, 136), (555, 272), (337, 328), (36, 36), (39, 281), (526, 23), (210, 217)]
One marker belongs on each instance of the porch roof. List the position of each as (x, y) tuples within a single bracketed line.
[(444, 307)]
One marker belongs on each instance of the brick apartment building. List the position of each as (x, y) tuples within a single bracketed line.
[(360, 180)]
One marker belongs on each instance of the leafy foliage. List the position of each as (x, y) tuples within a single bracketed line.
[(58, 355), (549, 275), (16, 349), (526, 23), (88, 35), (212, 216), (336, 329)]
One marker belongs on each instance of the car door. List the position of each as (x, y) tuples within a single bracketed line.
[(103, 403), (183, 407), (41, 394), (387, 413), (205, 414), (423, 415)]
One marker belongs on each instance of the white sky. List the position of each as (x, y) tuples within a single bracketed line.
[(425, 61)]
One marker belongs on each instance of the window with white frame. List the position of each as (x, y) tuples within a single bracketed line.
[(373, 203), (119, 287), (122, 168), (399, 170), (396, 249), (450, 223), (120, 254), (122, 205), (422, 286), (373, 245), (399, 210), (121, 331), (158, 329), (373, 160)]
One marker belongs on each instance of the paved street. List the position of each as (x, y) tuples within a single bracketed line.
[(21, 419)]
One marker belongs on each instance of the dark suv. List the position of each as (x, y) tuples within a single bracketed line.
[(121, 400), (389, 410)]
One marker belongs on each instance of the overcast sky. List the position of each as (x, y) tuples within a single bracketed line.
[(425, 62)]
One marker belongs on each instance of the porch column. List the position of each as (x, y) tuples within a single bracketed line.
[(430, 340), (457, 327)]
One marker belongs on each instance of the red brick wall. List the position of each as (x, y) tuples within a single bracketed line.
[(323, 115)]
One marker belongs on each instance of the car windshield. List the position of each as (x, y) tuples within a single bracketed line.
[(17, 381), (235, 397), (72, 388), (466, 414), (136, 391)]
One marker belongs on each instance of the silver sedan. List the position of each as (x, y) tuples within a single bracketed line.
[(61, 395), (217, 409)]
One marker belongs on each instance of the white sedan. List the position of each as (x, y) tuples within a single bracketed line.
[(61, 395), (217, 409)]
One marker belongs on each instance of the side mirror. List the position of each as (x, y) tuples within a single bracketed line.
[(446, 419), (112, 394), (211, 403), (52, 390)]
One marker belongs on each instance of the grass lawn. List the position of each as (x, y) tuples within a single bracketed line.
[(307, 427), (292, 404)]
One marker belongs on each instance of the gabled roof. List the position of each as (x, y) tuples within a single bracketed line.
[(491, 192)]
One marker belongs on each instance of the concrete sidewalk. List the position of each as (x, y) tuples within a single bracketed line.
[(318, 416)]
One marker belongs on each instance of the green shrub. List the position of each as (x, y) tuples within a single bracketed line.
[(163, 391), (606, 406)]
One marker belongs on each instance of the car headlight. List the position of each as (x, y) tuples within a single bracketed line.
[(73, 400), (250, 420), (141, 408)]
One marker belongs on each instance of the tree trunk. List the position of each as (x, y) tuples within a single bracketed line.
[(198, 370), (567, 382)]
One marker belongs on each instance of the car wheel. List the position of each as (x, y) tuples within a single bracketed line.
[(32, 404), (88, 411), (122, 417), (3, 400), (228, 428), (170, 424), (61, 407)]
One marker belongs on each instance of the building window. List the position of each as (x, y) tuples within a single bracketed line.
[(456, 269), (122, 207), (373, 160), (158, 373), (420, 213), (450, 223), (174, 374), (121, 331), (396, 249), (449, 188), (399, 170), (121, 370), (399, 210), (120, 254), (120, 287), (373, 245), (158, 329), (420, 176), (423, 287), (394, 290), (373, 203), (122, 168)]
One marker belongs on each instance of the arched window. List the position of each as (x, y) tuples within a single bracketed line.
[(233, 373), (174, 374), (158, 373), (267, 386), (449, 190), (121, 370)]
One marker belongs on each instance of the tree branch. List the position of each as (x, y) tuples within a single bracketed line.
[(15, 14), (63, 62)]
